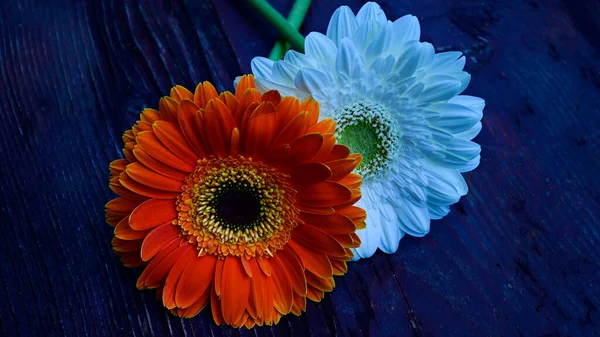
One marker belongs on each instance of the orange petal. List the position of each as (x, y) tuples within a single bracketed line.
[(218, 276), (168, 295), (299, 304), (328, 144), (123, 231), (314, 294), (125, 246), (327, 125), (157, 277), (196, 307), (204, 92), (312, 107), (294, 129), (131, 260), (256, 286), (192, 126), (316, 210), (235, 286), (141, 282), (157, 166), (179, 93), (152, 213), (295, 270), (282, 288), (149, 142), (265, 265), (157, 239), (357, 214), (287, 109), (195, 280), (305, 148), (149, 115), (324, 194), (272, 96), (218, 124), (338, 152), (144, 190), (128, 151), (352, 181), (323, 284), (342, 167), (315, 262), (170, 135), (150, 178), (318, 241), (229, 100), (245, 83), (168, 109), (310, 173), (246, 104), (260, 131), (336, 223), (235, 142), (117, 166), (339, 267), (246, 266), (120, 206), (116, 186), (215, 307), (141, 126)]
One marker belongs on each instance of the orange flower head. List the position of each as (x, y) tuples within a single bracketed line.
[(242, 201)]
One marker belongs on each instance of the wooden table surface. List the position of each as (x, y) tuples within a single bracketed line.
[(517, 256)]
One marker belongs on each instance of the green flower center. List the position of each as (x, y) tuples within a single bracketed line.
[(368, 128)]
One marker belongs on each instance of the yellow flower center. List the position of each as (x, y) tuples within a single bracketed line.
[(234, 206)]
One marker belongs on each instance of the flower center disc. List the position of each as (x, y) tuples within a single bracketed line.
[(234, 206), (367, 128)]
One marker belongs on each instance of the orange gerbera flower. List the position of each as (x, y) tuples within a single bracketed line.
[(242, 201)]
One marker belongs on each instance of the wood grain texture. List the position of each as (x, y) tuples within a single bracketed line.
[(517, 256)]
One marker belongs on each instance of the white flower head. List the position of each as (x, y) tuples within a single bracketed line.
[(395, 101)]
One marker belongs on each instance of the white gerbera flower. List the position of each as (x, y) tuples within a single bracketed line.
[(395, 101)]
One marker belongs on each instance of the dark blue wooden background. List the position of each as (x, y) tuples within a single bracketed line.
[(518, 256)]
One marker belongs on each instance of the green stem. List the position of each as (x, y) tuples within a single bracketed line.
[(285, 29), (295, 18)]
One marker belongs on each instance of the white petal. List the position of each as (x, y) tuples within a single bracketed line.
[(406, 29), (346, 57), (427, 55), (447, 62), (371, 12), (342, 24), (236, 81), (321, 48), (470, 166), (390, 233), (383, 65), (471, 133), (454, 118), (381, 44), (445, 187), (414, 219), (284, 73), (407, 63), (261, 67), (440, 91), (437, 211), (472, 102), (263, 85), (370, 235), (300, 60), (311, 81)]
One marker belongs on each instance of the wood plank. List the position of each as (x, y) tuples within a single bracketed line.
[(519, 255)]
